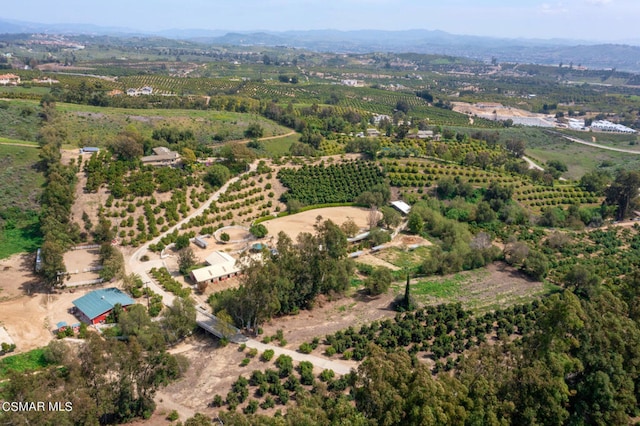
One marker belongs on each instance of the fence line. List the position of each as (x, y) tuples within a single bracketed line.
[(87, 247), (86, 282)]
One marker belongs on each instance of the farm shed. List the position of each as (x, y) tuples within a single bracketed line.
[(355, 254), (89, 150), (94, 307), (403, 207), (358, 238), (221, 266), (200, 242), (38, 260)]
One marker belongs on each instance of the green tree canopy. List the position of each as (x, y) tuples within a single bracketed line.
[(379, 281), (217, 175)]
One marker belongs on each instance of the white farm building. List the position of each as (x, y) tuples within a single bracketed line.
[(607, 126), (221, 267)]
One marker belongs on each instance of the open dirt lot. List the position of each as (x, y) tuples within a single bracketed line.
[(78, 262), (27, 313), (485, 108), (303, 222)]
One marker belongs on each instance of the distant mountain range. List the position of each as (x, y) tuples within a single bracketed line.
[(554, 51)]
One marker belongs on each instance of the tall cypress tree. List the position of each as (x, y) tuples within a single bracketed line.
[(407, 295)]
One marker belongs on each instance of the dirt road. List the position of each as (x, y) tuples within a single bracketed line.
[(595, 145), (338, 367), (531, 164)]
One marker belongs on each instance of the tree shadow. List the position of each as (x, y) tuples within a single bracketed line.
[(34, 285), (362, 295)]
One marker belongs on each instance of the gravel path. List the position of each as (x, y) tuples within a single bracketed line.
[(322, 363)]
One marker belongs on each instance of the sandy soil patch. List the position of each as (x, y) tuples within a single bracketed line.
[(237, 234), (18, 277), (303, 222), (329, 317), (369, 259), (484, 108), (212, 370), (25, 319), (78, 261)]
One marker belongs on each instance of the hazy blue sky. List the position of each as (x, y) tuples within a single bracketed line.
[(577, 19)]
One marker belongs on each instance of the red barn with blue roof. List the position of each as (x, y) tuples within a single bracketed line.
[(95, 307)]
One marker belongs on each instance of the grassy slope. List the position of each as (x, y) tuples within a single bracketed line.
[(19, 120), (87, 125), (280, 146), (28, 361), (20, 188)]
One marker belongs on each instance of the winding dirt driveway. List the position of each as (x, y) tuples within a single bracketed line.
[(141, 268)]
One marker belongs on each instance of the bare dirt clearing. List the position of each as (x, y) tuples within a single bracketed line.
[(27, 312), (212, 371), (79, 264), (491, 108), (298, 223)]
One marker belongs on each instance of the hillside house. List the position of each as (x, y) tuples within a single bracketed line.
[(9, 79), (162, 156)]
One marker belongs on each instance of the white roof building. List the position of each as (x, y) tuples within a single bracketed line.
[(402, 206), (576, 124), (221, 266), (607, 126)]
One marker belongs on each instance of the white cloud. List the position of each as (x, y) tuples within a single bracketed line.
[(599, 2), (553, 9)]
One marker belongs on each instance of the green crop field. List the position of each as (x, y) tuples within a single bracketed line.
[(20, 191), (28, 361), (280, 146), (441, 288)]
